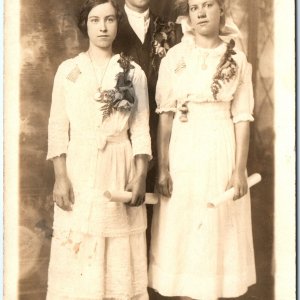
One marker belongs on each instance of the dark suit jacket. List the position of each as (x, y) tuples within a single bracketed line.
[(142, 53), (129, 43)]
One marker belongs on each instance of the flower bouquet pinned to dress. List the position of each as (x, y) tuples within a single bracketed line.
[(226, 69), (121, 97)]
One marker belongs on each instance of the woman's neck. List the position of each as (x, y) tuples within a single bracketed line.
[(207, 42), (100, 55)]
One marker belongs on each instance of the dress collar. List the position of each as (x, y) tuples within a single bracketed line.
[(220, 49)]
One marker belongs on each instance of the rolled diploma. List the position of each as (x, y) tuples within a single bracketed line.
[(125, 197), (229, 194)]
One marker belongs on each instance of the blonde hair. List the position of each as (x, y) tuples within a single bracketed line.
[(182, 9)]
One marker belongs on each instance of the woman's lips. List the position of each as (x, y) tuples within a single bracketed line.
[(203, 22)]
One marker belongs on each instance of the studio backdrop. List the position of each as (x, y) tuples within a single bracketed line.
[(49, 35)]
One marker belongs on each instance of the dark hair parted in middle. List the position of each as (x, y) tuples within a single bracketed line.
[(88, 6)]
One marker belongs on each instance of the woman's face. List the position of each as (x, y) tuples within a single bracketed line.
[(205, 16), (102, 25)]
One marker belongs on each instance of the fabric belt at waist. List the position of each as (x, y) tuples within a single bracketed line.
[(100, 139)]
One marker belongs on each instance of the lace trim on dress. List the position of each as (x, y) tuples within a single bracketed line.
[(165, 109)]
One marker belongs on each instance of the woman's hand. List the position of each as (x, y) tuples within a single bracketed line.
[(63, 194), (164, 180), (239, 183), (138, 188), (238, 178), (165, 183)]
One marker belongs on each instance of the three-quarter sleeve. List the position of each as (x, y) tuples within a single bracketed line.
[(139, 124), (165, 98), (243, 101), (58, 126)]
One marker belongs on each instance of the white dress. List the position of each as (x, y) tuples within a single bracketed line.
[(196, 251), (98, 249)]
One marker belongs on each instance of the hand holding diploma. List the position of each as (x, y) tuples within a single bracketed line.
[(125, 197), (152, 198), (229, 194)]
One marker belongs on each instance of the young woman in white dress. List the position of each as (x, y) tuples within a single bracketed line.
[(98, 140), (205, 100)]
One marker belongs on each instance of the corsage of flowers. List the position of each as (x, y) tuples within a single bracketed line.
[(226, 69), (163, 39), (121, 97)]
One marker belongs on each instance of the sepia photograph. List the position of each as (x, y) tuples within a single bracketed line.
[(149, 150)]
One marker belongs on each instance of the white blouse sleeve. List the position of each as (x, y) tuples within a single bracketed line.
[(243, 101), (139, 123), (165, 98), (58, 126)]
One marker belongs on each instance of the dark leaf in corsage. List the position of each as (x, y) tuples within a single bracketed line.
[(226, 69), (122, 97)]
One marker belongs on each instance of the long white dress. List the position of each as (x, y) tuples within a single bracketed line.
[(98, 249), (196, 251)]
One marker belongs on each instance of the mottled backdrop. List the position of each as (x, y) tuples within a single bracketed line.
[(49, 36)]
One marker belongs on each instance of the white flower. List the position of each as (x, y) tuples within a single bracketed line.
[(124, 105), (164, 35), (118, 95), (161, 51)]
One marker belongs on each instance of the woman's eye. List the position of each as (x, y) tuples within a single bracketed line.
[(208, 5), (94, 20), (110, 20), (193, 8)]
